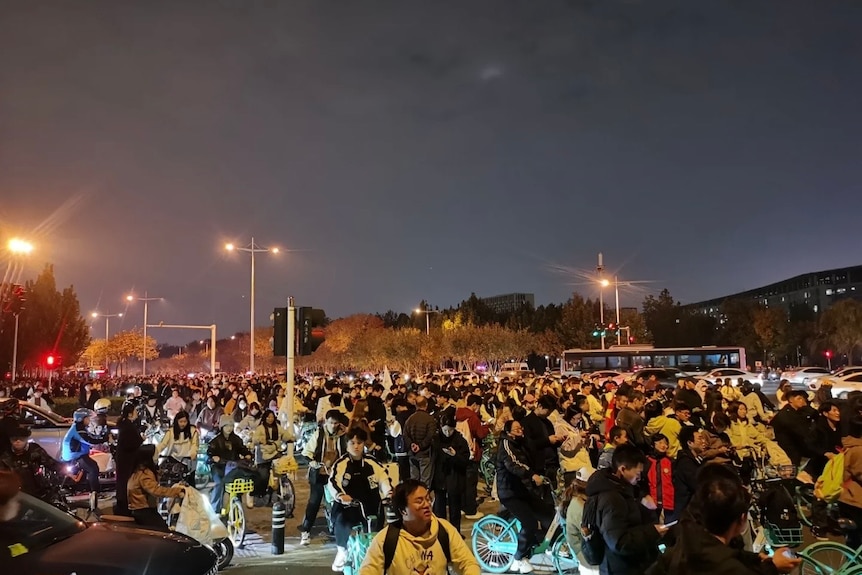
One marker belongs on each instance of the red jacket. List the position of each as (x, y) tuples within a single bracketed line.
[(479, 430), (661, 488)]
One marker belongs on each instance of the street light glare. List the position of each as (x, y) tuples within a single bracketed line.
[(94, 314), (19, 246), (229, 247), (274, 250), (605, 283), (417, 310), (130, 298)]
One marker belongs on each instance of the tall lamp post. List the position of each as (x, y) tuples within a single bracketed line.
[(107, 317), (146, 299), (252, 249), (18, 248), (427, 313)]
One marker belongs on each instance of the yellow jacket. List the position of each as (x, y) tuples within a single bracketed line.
[(667, 426)]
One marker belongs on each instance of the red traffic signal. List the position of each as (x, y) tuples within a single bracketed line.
[(49, 360), (631, 339), (828, 353)]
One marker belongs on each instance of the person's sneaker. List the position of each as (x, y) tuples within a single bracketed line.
[(521, 566), (249, 501), (305, 538), (819, 533), (340, 559), (474, 516)]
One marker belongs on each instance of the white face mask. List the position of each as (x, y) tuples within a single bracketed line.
[(242, 405)]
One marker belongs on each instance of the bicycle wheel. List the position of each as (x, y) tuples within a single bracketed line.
[(236, 522), (287, 495), (825, 558), (563, 557), (495, 542)]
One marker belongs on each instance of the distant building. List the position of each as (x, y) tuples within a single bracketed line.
[(817, 290), (507, 303)]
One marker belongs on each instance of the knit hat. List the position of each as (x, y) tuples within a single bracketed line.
[(225, 420)]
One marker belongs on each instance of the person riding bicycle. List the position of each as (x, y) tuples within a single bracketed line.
[(143, 489), (224, 448), (27, 460), (419, 541), (269, 437), (325, 446), (151, 414), (76, 449), (356, 478), (181, 442)]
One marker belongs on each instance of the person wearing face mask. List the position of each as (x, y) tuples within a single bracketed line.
[(708, 540), (269, 437), (224, 448), (250, 422), (452, 455), (41, 399), (519, 489), (630, 538)]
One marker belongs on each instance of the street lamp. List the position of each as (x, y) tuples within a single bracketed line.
[(427, 313), (146, 300), (18, 248), (252, 249), (107, 317)]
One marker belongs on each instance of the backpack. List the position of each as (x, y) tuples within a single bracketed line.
[(592, 543), (830, 484), (393, 532), (463, 427)]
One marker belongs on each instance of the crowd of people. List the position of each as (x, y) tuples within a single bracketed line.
[(648, 453)]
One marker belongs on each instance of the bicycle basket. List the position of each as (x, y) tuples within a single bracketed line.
[(284, 465), (783, 536), (238, 486)]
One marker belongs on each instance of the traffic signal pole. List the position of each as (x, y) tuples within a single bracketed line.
[(291, 356), (15, 350)]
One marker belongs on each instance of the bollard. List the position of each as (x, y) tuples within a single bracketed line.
[(277, 529)]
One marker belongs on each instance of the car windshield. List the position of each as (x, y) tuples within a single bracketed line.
[(36, 525)]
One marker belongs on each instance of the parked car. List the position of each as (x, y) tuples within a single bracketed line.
[(56, 542), (734, 374), (667, 376), (841, 386), (515, 370), (801, 375), (814, 382)]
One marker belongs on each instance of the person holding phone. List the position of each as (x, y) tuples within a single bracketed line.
[(707, 531), (450, 473), (325, 446)]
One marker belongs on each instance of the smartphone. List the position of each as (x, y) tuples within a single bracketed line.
[(671, 524), (789, 554)]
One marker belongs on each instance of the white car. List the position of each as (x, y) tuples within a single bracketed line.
[(814, 382), (802, 375), (718, 376), (844, 385), (603, 375)]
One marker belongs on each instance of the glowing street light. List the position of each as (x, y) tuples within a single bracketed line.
[(427, 313), (252, 249), (19, 246), (146, 300)]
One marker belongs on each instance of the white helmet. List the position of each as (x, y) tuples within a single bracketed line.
[(102, 405)]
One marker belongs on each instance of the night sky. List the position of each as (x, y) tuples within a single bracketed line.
[(426, 150)]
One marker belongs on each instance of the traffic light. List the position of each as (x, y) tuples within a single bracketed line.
[(309, 324), (49, 361), (828, 353), (597, 331), (279, 332)]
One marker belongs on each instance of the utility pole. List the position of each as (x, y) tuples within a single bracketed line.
[(291, 355)]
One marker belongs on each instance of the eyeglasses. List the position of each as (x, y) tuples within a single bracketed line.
[(429, 499)]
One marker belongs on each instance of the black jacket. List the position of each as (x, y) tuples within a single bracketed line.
[(226, 449), (690, 397), (420, 428), (822, 439), (697, 552), (684, 479), (377, 412), (633, 423), (630, 537), (791, 432), (514, 469), (450, 471), (537, 431)]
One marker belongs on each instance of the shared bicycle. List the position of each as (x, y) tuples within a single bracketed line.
[(495, 541), (360, 538)]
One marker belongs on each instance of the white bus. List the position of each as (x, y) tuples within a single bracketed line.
[(631, 358)]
